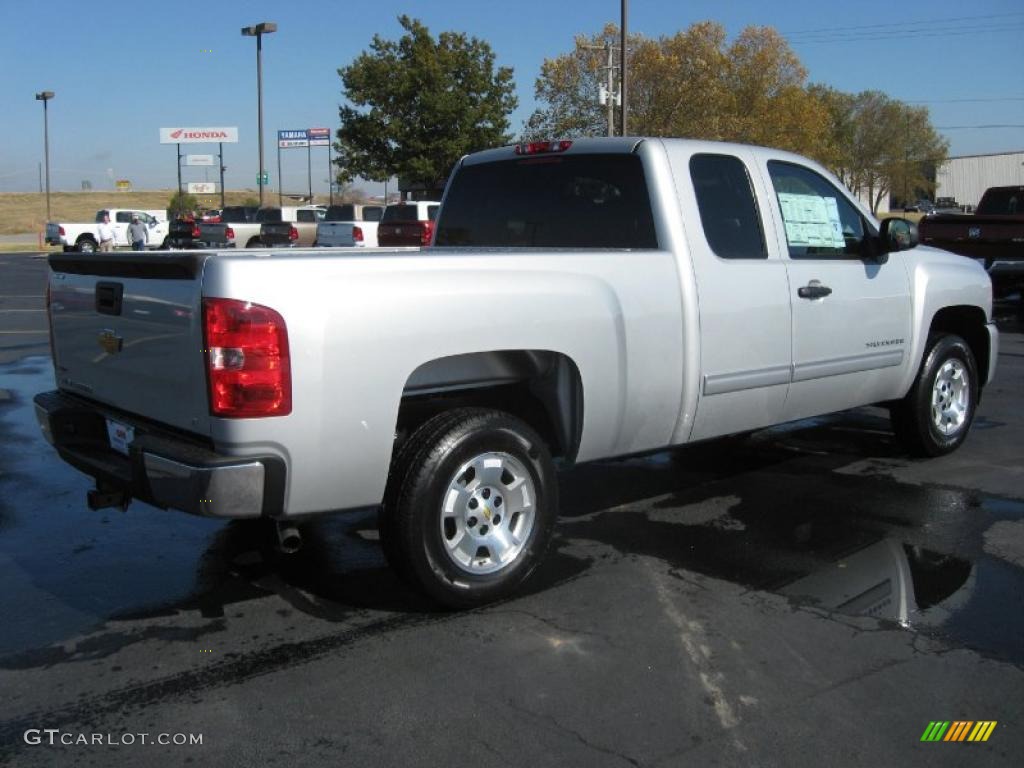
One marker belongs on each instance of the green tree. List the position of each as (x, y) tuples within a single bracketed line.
[(182, 203), (878, 145), (416, 105)]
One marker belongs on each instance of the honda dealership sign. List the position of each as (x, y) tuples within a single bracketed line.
[(228, 135)]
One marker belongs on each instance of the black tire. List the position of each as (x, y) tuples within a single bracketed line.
[(912, 417), (411, 522), (86, 245)]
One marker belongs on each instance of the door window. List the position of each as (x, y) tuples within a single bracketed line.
[(820, 222), (124, 217)]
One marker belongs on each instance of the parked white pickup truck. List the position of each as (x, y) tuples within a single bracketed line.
[(349, 226), (83, 237), (584, 300)]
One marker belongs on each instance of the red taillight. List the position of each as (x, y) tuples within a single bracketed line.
[(61, 229), (357, 234), (293, 234), (247, 359), (229, 233), (195, 231), (541, 147), (427, 232)]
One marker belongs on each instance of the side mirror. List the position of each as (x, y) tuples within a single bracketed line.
[(898, 235)]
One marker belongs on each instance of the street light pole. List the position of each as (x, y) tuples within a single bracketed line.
[(257, 31), (45, 96)]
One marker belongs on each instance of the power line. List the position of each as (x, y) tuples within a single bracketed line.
[(905, 35), (904, 24), (977, 127), (966, 101)]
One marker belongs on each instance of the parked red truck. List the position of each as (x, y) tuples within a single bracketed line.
[(993, 235)]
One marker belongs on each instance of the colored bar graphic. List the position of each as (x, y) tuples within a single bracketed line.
[(959, 730), (935, 730), (982, 730)]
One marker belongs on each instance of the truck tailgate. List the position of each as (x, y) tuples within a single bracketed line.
[(127, 332), (978, 236)]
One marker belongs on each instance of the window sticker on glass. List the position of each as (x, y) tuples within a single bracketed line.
[(812, 220)]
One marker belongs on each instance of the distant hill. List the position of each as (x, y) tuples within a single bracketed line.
[(22, 212)]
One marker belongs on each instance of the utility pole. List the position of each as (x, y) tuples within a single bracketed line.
[(622, 72), (610, 86), (607, 95)]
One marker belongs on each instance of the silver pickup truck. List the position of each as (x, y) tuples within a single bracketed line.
[(582, 300)]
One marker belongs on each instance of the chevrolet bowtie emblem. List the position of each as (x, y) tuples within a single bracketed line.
[(110, 342), (487, 512)]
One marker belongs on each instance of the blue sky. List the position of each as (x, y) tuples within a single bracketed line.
[(122, 70)]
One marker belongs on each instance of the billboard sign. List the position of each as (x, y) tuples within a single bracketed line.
[(293, 138), (198, 159), (202, 187), (319, 137), (189, 135)]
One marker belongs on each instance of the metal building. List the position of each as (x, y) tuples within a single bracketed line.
[(965, 178)]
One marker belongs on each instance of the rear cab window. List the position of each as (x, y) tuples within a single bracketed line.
[(564, 201), (400, 213), (728, 209)]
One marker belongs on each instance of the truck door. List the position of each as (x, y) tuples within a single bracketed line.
[(851, 314), (742, 293), (120, 224)]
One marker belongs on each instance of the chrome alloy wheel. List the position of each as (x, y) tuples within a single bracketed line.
[(950, 397), (487, 513)]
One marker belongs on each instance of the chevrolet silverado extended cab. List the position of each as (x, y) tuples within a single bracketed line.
[(584, 299), (993, 235)]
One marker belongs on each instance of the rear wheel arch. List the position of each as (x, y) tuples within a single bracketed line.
[(543, 388)]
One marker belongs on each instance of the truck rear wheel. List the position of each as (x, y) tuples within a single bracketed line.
[(85, 245), (470, 507), (935, 416)]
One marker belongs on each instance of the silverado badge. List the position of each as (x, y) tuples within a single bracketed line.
[(110, 341), (974, 233)]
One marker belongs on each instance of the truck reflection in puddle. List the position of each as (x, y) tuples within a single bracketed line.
[(888, 580)]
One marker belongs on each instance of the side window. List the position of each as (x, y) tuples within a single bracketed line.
[(820, 222), (372, 213), (728, 209), (305, 216), (124, 217), (432, 212)]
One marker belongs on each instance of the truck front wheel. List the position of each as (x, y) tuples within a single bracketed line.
[(470, 507), (935, 416), (85, 245)]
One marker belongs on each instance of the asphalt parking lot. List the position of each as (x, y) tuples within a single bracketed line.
[(804, 596)]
